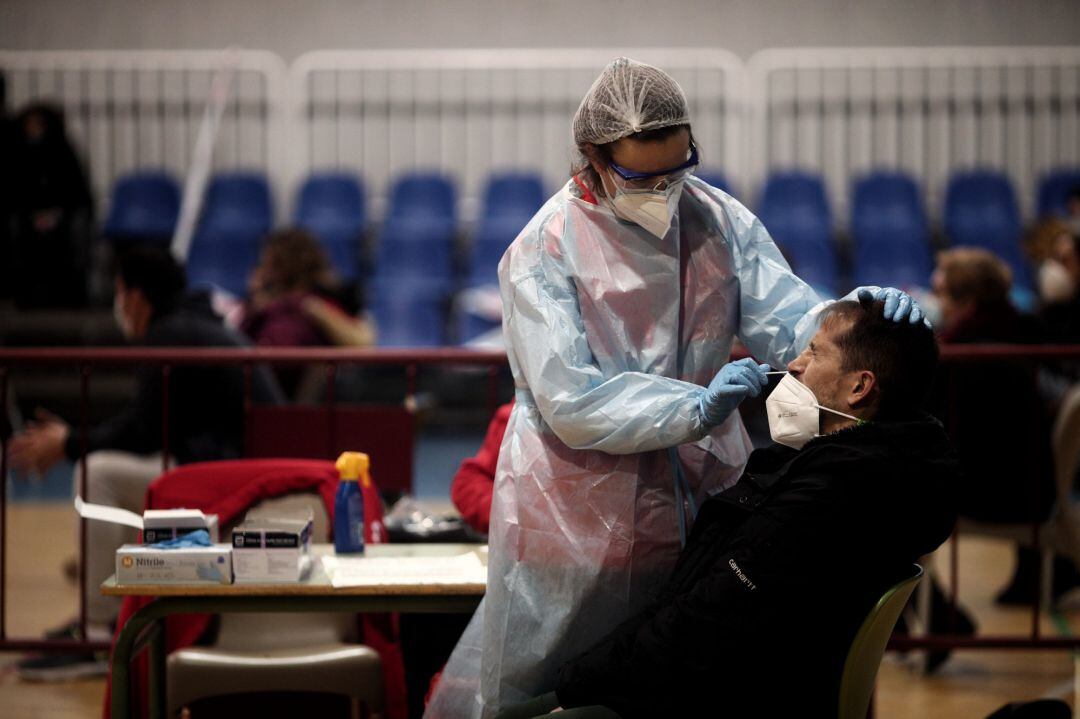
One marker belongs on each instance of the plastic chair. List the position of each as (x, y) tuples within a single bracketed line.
[(417, 240), (864, 656), (423, 196), (890, 232), (796, 213), (510, 201), (409, 314), (237, 214), (981, 211), (714, 178), (415, 249), (1054, 191), (331, 206), (294, 652), (513, 194), (144, 207)]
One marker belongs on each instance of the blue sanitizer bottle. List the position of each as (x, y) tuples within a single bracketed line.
[(352, 469)]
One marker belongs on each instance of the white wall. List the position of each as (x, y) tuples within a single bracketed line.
[(291, 27)]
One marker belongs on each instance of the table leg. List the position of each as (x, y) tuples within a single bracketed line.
[(121, 665), (157, 697)]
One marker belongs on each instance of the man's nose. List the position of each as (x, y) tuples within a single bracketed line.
[(794, 367)]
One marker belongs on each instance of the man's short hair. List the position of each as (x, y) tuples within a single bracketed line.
[(903, 356), (154, 270)]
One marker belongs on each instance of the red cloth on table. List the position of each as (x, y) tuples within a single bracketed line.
[(472, 486), (228, 489)]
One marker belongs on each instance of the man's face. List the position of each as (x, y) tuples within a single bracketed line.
[(820, 366)]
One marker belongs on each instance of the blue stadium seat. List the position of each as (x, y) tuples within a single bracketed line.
[(510, 201), (144, 207), (419, 248), (796, 213), (409, 313), (1054, 190), (423, 196), (714, 178), (236, 216), (890, 232), (513, 194), (981, 211), (417, 240), (471, 326), (331, 206)]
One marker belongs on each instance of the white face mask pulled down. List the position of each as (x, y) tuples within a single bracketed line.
[(794, 413), (650, 209)]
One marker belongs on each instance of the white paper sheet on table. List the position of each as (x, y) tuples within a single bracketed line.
[(381, 571)]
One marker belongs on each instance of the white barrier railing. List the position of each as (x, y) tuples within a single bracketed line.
[(468, 113), (128, 110), (926, 111), (841, 112)]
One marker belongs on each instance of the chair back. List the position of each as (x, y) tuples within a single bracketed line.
[(1066, 447), (864, 657), (890, 232)]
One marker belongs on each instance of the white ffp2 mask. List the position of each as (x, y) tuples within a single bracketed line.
[(794, 413), (650, 209)]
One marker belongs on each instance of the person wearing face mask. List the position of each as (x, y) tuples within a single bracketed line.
[(205, 422), (621, 300), (781, 569), (1015, 486)]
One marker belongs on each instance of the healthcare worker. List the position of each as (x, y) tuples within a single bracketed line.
[(621, 300)]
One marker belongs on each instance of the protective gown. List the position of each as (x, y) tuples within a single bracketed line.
[(612, 335)]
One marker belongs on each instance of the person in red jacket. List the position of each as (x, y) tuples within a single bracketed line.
[(472, 486)]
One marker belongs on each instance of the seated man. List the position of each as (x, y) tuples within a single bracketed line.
[(205, 422), (781, 569)]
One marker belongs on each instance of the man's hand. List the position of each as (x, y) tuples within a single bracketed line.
[(40, 445)]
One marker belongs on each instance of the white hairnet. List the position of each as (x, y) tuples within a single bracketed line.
[(629, 97)]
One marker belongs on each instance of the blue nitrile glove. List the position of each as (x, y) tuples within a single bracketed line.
[(898, 304), (732, 384), (198, 538)]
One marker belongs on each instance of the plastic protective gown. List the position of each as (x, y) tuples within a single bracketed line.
[(612, 335)]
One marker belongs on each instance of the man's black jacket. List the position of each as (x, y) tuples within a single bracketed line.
[(206, 403), (776, 577)]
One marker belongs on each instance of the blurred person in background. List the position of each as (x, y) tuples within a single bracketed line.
[(1008, 468), (205, 421), (1059, 278), (295, 300), (1072, 210), (49, 212)]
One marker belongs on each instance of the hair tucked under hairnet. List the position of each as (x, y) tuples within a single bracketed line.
[(629, 97)]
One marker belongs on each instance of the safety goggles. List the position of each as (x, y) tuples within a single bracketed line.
[(634, 180)]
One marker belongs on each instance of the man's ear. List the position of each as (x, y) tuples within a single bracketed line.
[(863, 390)]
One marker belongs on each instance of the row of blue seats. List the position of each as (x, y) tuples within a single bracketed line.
[(414, 276), (417, 237), (889, 228)]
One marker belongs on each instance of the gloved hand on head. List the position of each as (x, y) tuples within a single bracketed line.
[(898, 304), (732, 384)]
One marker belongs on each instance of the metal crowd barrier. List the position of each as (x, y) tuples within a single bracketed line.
[(86, 361), (131, 110), (841, 112), (469, 113), (925, 111)]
